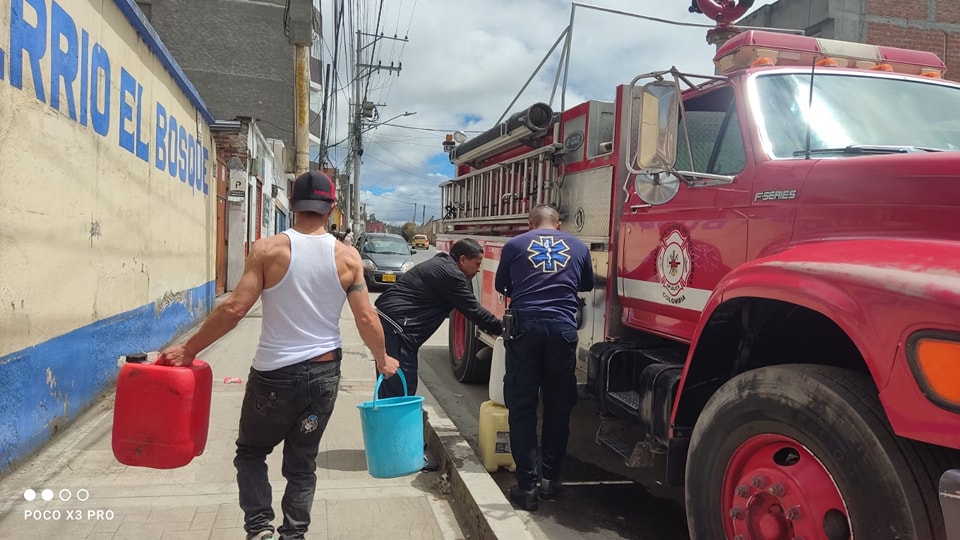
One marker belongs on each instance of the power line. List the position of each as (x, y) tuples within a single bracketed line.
[(435, 129), (367, 154)]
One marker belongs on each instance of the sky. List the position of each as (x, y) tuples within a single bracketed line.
[(462, 64)]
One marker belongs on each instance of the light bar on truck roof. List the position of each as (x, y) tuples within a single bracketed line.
[(755, 48)]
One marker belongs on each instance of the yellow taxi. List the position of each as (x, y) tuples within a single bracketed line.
[(420, 241)]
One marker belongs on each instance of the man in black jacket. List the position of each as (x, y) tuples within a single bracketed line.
[(413, 309)]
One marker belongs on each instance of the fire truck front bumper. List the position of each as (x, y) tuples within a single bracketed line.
[(950, 502)]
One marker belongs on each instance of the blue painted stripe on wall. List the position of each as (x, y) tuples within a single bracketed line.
[(143, 27), (45, 387)]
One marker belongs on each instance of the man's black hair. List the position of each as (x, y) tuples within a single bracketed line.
[(467, 247)]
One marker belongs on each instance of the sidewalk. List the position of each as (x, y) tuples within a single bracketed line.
[(199, 501)]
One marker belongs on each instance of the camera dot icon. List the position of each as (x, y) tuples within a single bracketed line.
[(63, 495)]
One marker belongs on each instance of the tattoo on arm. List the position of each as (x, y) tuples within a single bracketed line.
[(356, 287)]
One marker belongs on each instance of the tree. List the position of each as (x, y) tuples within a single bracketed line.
[(408, 230)]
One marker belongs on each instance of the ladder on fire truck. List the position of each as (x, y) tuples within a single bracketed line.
[(501, 195)]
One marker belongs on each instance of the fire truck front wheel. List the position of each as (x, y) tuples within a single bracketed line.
[(805, 451), (464, 346)]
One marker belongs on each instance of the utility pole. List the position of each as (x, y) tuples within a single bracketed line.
[(363, 109), (302, 129), (299, 30)]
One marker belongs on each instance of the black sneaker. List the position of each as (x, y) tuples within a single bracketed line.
[(525, 499), (550, 489), (429, 465)]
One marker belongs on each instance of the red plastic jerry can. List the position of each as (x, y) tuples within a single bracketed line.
[(162, 413)]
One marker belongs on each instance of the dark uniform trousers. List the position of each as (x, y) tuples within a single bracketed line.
[(541, 359), (398, 347)]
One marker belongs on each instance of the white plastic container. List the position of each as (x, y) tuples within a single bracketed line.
[(498, 368)]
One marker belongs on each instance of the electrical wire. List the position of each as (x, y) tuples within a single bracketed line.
[(367, 154)]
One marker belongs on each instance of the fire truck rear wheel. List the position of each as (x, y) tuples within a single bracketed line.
[(464, 346), (805, 451)]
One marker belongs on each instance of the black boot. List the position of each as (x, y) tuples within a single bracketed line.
[(525, 499), (550, 489)]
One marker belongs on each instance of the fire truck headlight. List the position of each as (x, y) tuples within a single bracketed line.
[(934, 358), (460, 137)]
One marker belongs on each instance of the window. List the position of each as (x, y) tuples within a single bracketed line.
[(853, 110), (716, 146)]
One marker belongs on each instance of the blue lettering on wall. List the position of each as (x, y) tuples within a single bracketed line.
[(128, 85), (172, 146), (160, 152), (30, 40), (63, 63), (182, 147), (192, 160), (89, 97), (143, 148), (100, 66), (84, 75), (206, 157)]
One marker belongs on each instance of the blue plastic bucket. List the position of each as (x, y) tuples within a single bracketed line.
[(393, 433)]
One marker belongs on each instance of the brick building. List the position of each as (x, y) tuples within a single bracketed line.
[(926, 25)]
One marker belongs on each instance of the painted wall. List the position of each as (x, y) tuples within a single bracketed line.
[(107, 213)]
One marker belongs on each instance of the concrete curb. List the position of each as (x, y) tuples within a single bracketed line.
[(490, 515)]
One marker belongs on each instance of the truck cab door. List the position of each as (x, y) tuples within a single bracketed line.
[(673, 253)]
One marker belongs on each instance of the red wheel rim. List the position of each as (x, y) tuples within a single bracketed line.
[(459, 334), (774, 488)]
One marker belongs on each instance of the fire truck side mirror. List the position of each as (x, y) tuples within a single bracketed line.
[(657, 123)]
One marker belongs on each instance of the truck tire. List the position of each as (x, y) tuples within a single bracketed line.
[(464, 346), (805, 451)]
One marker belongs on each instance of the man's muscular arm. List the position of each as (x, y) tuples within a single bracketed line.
[(367, 320), (227, 314)]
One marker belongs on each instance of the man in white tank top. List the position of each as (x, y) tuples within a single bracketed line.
[(304, 276)]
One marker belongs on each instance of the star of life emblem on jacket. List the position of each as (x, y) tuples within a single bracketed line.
[(548, 254)]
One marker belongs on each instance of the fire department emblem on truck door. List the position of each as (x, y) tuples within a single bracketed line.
[(674, 265)]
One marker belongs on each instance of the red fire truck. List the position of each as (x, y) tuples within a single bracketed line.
[(777, 316)]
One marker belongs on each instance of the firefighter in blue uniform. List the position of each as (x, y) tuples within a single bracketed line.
[(541, 272)]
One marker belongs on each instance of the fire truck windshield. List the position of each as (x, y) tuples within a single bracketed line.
[(850, 110)]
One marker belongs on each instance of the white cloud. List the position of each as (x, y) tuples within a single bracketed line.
[(466, 60)]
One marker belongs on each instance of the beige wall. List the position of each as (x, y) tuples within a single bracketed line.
[(89, 230)]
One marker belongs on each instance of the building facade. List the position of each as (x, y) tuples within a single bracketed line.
[(926, 25), (108, 207), (237, 55)]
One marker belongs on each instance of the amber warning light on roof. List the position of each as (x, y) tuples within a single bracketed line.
[(753, 49)]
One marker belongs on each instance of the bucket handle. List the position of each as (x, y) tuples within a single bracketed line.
[(376, 390)]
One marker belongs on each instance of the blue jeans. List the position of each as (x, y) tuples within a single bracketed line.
[(290, 405), (398, 347), (540, 360)]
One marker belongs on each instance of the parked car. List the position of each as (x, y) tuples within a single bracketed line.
[(385, 257), (420, 241)]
